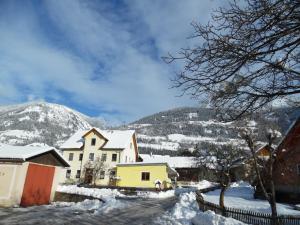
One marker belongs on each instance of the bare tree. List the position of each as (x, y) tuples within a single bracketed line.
[(264, 169), (221, 160), (96, 167), (247, 56)]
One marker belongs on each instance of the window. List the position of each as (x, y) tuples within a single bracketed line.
[(78, 174), (112, 173), (298, 169), (68, 174), (145, 176), (103, 157), (91, 156), (102, 175), (71, 155), (114, 157), (80, 156), (93, 142)]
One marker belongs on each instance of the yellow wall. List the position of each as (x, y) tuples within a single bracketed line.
[(131, 176)]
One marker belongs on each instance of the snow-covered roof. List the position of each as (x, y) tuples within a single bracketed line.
[(75, 141), (173, 161), (117, 139), (25, 152)]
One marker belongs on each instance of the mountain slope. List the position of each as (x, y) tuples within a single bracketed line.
[(39, 122), (183, 128)]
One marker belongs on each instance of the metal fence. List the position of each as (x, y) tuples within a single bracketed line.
[(246, 216)]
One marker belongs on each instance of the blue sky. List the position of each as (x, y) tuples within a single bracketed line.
[(102, 58)]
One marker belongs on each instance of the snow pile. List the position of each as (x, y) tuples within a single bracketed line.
[(104, 193), (86, 205), (186, 212), (201, 184), (151, 194), (94, 206), (210, 218), (240, 195)]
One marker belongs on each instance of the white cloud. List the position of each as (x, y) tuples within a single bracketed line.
[(131, 80)]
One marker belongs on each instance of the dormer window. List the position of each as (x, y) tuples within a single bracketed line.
[(93, 142)]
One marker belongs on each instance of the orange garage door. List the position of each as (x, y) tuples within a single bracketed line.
[(38, 184)]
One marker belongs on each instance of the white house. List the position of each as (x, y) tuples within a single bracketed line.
[(108, 146)]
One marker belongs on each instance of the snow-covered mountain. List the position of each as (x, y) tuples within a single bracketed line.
[(39, 122), (166, 132), (176, 130)]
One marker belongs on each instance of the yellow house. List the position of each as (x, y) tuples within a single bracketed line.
[(93, 146), (145, 175)]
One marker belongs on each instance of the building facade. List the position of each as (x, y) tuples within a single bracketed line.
[(146, 176), (29, 175), (93, 154), (286, 168)]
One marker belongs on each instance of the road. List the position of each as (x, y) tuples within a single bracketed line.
[(136, 212)]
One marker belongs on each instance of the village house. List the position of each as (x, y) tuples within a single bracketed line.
[(243, 169), (187, 168), (146, 176), (94, 145), (286, 168), (29, 175)]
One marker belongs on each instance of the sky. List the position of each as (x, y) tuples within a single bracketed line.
[(101, 58)]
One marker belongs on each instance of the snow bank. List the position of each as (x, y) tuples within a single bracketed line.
[(240, 195), (186, 212), (201, 184), (104, 193), (94, 206), (107, 193), (210, 218), (88, 205), (151, 194)]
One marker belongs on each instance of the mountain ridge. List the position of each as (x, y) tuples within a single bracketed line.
[(166, 132), (39, 122)]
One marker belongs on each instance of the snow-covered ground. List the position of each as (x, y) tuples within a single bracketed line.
[(240, 196), (95, 206), (106, 193), (186, 212)]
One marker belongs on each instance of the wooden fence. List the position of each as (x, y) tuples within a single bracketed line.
[(246, 216)]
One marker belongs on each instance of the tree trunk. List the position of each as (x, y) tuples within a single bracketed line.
[(270, 197), (224, 185), (222, 194), (273, 192)]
